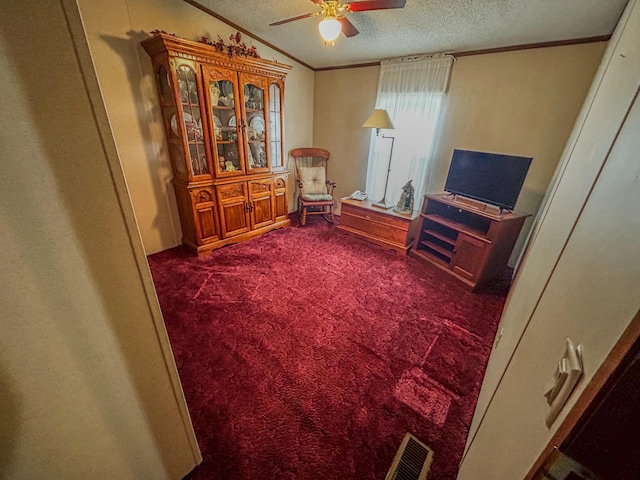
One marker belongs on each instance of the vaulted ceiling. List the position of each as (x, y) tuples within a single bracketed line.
[(422, 26)]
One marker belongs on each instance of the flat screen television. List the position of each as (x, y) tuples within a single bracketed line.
[(489, 177)]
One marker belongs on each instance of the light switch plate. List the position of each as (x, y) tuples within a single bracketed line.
[(564, 380)]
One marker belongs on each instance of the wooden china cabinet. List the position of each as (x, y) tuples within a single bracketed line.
[(223, 119)]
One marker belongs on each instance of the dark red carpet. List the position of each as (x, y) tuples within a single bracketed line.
[(307, 354)]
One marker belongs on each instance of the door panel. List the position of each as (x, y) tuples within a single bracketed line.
[(253, 93), (234, 216), (221, 92), (280, 192), (469, 257), (206, 223), (262, 203)]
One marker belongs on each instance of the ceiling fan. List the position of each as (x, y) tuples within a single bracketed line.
[(334, 20)]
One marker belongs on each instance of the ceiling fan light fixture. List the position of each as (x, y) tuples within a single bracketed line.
[(330, 28)]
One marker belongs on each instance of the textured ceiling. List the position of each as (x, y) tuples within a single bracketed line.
[(422, 26)]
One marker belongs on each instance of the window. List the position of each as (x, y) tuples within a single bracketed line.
[(413, 91)]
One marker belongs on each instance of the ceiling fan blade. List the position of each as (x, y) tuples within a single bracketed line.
[(374, 5), (299, 17), (348, 28)]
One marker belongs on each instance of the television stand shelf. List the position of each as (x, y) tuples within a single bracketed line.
[(469, 243)]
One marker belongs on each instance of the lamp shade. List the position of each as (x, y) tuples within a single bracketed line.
[(330, 28), (379, 119)]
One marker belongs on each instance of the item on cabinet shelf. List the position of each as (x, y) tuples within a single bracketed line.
[(232, 156), (251, 134), (214, 93), (256, 93), (217, 128), (221, 163), (257, 155), (193, 92), (230, 136), (229, 167), (232, 121), (194, 130), (257, 123), (174, 124), (153, 32), (405, 204), (235, 47), (227, 100), (184, 94), (199, 165), (227, 89), (252, 162)]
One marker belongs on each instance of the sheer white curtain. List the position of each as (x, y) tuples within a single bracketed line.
[(412, 90)]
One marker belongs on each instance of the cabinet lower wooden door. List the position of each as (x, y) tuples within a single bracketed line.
[(261, 202), (205, 224), (470, 256), (280, 196), (234, 208)]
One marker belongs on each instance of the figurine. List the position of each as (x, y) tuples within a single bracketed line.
[(214, 93), (405, 204)]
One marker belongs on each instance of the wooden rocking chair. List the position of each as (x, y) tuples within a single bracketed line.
[(315, 192)]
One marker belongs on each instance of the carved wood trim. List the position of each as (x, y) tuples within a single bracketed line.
[(206, 54), (230, 191), (261, 187), (258, 81), (201, 195), (216, 73)]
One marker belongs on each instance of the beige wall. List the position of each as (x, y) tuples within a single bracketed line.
[(344, 99), (519, 103), (580, 276), (87, 383), (522, 103), (115, 30)]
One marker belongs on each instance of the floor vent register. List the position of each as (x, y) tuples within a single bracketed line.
[(412, 460)]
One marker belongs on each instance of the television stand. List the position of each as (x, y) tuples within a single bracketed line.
[(468, 243)]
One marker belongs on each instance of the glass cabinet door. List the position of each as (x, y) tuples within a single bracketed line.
[(275, 127), (253, 98), (191, 121), (169, 116), (222, 95)]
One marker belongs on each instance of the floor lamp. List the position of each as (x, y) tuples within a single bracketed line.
[(380, 119)]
